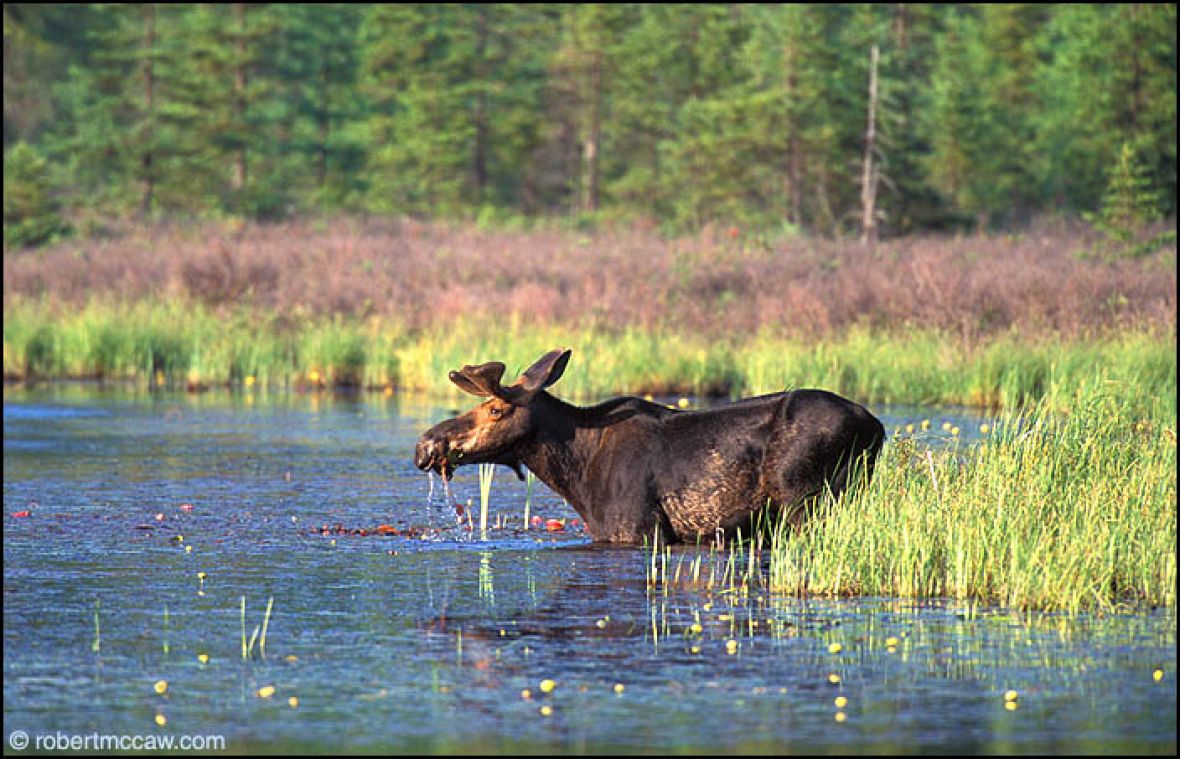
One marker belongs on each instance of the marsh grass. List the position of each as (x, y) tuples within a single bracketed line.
[(157, 344), (1053, 512)]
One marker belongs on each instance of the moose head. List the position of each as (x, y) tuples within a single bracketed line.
[(491, 431)]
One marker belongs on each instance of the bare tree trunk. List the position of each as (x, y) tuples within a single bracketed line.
[(324, 125), (147, 159), (794, 149), (239, 175), (590, 142), (868, 190), (481, 103)]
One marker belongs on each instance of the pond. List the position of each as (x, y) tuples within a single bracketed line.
[(152, 518)]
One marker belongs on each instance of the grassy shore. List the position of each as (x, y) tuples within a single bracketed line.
[(174, 344)]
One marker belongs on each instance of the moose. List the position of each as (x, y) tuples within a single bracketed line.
[(632, 467)]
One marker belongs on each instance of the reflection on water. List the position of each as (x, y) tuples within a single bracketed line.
[(426, 641)]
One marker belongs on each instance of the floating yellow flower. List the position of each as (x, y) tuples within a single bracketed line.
[(203, 658), (619, 688), (161, 720), (835, 648), (548, 685), (984, 429), (546, 710), (188, 548), (266, 691), (841, 702), (249, 380), (731, 646), (695, 628), (313, 377), (1157, 675), (161, 687), (891, 641), (526, 694), (834, 679), (682, 403), (1011, 695), (925, 424), (840, 716), (954, 431), (909, 429), (293, 702)]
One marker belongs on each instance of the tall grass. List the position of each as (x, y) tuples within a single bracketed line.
[(163, 343), (1055, 511)]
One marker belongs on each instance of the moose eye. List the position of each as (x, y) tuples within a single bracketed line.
[(495, 412)]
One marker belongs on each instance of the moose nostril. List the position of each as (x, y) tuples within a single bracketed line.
[(427, 452)]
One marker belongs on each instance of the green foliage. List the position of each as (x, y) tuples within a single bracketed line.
[(31, 214), (1129, 205), (688, 114)]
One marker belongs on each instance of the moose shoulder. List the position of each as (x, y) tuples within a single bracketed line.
[(630, 467)]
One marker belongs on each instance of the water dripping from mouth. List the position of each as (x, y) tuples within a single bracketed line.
[(448, 497)]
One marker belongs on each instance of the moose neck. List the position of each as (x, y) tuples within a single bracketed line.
[(560, 449)]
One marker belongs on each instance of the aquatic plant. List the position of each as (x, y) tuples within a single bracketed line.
[(486, 473), (248, 648), (96, 646), (1051, 511)]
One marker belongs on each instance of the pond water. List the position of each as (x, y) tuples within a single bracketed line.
[(151, 516)]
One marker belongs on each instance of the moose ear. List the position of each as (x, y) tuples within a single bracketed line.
[(546, 371), (482, 380)]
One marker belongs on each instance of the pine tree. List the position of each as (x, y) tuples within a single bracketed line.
[(31, 213)]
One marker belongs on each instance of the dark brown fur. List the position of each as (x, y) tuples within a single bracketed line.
[(630, 467)]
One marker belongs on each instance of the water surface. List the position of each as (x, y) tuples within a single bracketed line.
[(426, 641)]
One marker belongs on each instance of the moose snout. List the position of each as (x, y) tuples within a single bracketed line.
[(428, 452)]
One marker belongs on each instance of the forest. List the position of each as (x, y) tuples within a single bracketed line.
[(830, 120)]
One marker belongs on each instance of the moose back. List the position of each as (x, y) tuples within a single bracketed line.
[(630, 467)]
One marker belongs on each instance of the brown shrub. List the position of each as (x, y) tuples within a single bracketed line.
[(426, 273)]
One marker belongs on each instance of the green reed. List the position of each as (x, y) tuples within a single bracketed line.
[(1051, 511), (173, 344), (486, 473)]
